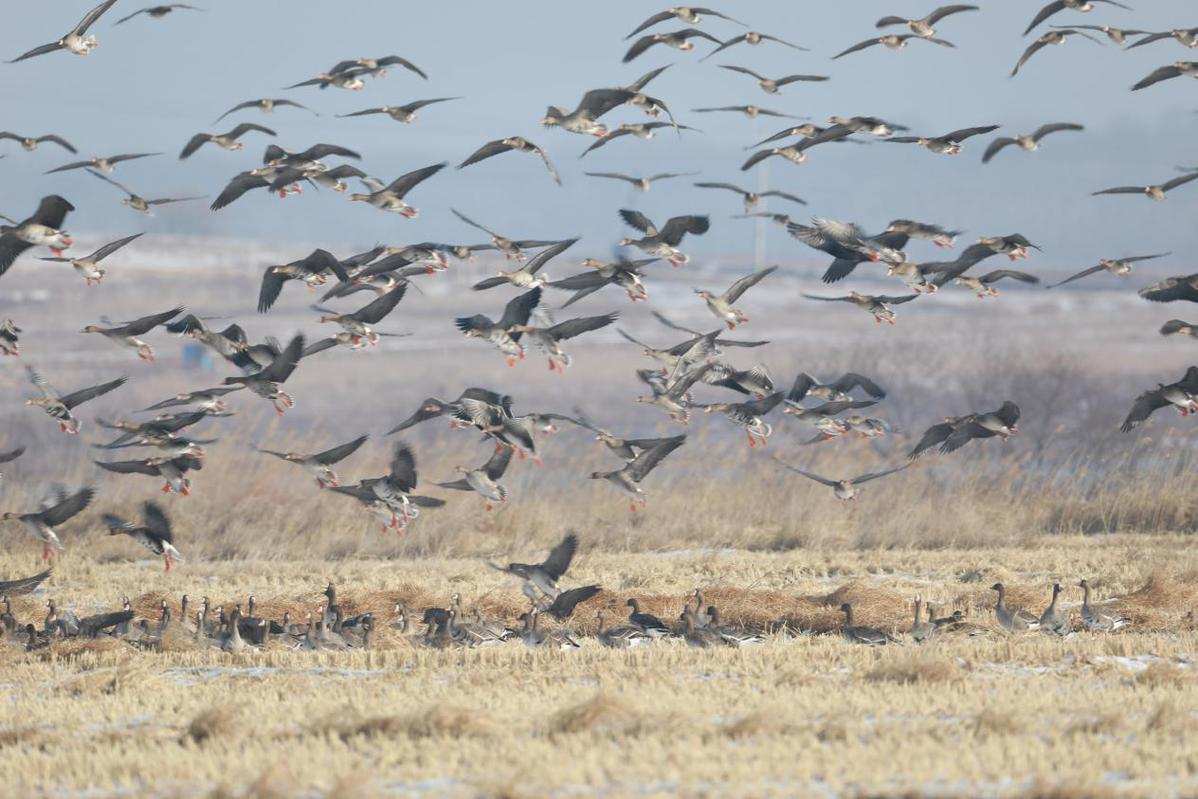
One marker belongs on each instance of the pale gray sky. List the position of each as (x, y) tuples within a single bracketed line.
[(153, 83)]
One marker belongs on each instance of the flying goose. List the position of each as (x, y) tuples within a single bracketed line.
[(772, 85), (435, 407), (1056, 6), (207, 400), (1116, 35), (391, 496), (10, 338), (516, 312), (1096, 620), (923, 26), (511, 144), (150, 433), (512, 249), (527, 276), (1120, 267), (1176, 327), (350, 79), (876, 304), (360, 324), (226, 141), (313, 270), (548, 339), (56, 511), (1001, 423), (286, 180), (483, 480), (21, 585), (1055, 619), (1184, 287), (640, 130), (1182, 395), (751, 199), (266, 105), (157, 12), (625, 274), (892, 41), (1156, 192), (375, 67), (172, 468), (750, 111), (642, 183), (948, 144), (540, 579), (43, 228), (400, 113), (750, 415), (391, 196), (594, 104), (267, 381), (663, 242), (89, 265), (127, 334), (983, 285), (844, 489), (822, 416), (1186, 37), (76, 39), (1052, 37), (859, 634), (848, 244), (752, 38), (136, 201), (691, 15), (1175, 70), (806, 386), (230, 343), (721, 305), (320, 464), (60, 406), (1028, 142), (679, 40), (1018, 620), (628, 478), (154, 534), (274, 155), (105, 164)]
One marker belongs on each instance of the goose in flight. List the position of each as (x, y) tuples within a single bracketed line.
[(484, 480), (1121, 267), (1174, 70), (391, 496), (375, 67), (56, 510), (1001, 423), (1052, 37), (642, 183), (1027, 142), (594, 104), (1056, 6), (30, 143), (845, 489), (360, 324), (266, 105), (663, 242), (127, 334), (625, 274), (511, 144), (879, 306), (512, 249), (43, 228), (154, 533), (1186, 37), (157, 12), (751, 199), (172, 468), (752, 38), (772, 85), (640, 130), (76, 40), (891, 41), (1182, 395), (400, 113), (105, 164), (527, 276), (503, 334), (924, 25), (548, 336), (1116, 35), (320, 464), (1172, 289), (679, 40), (627, 479), (267, 381), (390, 197), (59, 406), (313, 270), (226, 141), (540, 579), (1178, 327), (721, 305), (983, 285), (10, 344), (949, 143), (136, 201), (1156, 193), (691, 15)]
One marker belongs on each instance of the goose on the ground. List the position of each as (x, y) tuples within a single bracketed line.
[(1116, 35), (360, 324), (267, 382), (1095, 619), (1172, 289), (861, 634), (1055, 619), (1018, 619)]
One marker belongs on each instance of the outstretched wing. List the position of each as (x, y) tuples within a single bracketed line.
[(648, 459), (83, 395), (339, 453), (559, 558)]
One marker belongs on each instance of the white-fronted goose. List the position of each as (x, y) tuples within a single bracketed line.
[(625, 274), (1156, 192), (160, 428), (892, 41), (1120, 267), (750, 415), (838, 390), (391, 196), (266, 105), (1177, 327), (60, 406), (1171, 289), (267, 381), (772, 85), (173, 469), (157, 12), (1186, 37), (1018, 620), (391, 496), (10, 338), (594, 104), (483, 480), (647, 623), (154, 534), (679, 40), (1096, 620), (434, 407), (624, 636), (844, 241), (922, 230), (127, 334), (313, 270), (1055, 619), (55, 511), (136, 201), (642, 183), (76, 39), (752, 38), (822, 416), (1116, 35), (376, 67), (845, 489), (286, 180), (640, 130), (750, 111), (405, 113), (1052, 37), (360, 324), (562, 606), (1056, 6), (663, 242), (43, 228), (548, 337), (226, 141), (512, 249), (691, 15), (527, 276), (983, 285), (350, 79), (878, 305), (1002, 423), (860, 634), (511, 144), (1182, 395), (105, 164), (1028, 142), (721, 306), (671, 393), (629, 477), (922, 631), (948, 144), (540, 579), (320, 464), (8, 457), (501, 333), (923, 26), (89, 265), (751, 198)]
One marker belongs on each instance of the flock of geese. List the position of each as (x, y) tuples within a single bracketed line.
[(827, 409)]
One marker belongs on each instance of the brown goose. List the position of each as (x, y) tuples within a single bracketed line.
[(879, 306), (59, 406), (773, 85), (313, 270), (663, 242), (679, 40), (43, 228), (846, 489), (512, 249), (136, 201), (360, 324), (983, 285), (750, 198), (721, 306), (157, 12), (691, 15), (1182, 395), (320, 464), (924, 25), (502, 333), (629, 477), (267, 381), (892, 41), (593, 105), (860, 634), (1171, 289), (1056, 6), (154, 534), (642, 183), (527, 276), (639, 130), (1055, 619), (391, 496), (226, 141), (10, 338), (55, 511), (1176, 327), (1029, 142), (76, 40), (1052, 37), (484, 479), (750, 415), (1156, 193), (1096, 620), (1120, 267), (405, 113), (172, 469), (127, 334), (105, 164), (89, 265), (511, 144), (1116, 35), (1018, 620), (266, 105), (948, 144), (548, 338), (753, 38)]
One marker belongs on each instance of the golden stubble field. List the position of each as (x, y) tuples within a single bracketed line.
[(806, 713)]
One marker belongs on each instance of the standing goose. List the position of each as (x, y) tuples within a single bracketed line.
[(1018, 620), (512, 249), (983, 285), (105, 164), (10, 338), (1001, 423), (540, 579), (44, 228), (320, 464), (511, 144), (55, 512), (502, 333), (483, 480), (1052, 37), (860, 634), (1056, 6), (1151, 192), (1029, 142), (645, 622), (359, 324), (879, 306), (127, 334), (1096, 620), (751, 199), (1120, 267), (721, 306), (892, 41), (89, 265), (1055, 619), (625, 636), (750, 415), (628, 478), (772, 85), (266, 105), (172, 468), (1116, 35), (267, 381), (400, 113), (527, 277), (391, 196), (691, 15), (391, 496), (60, 406), (548, 339), (76, 39), (924, 25), (752, 38), (641, 183), (1182, 395), (154, 534), (679, 40), (922, 631), (135, 200), (948, 144), (663, 242), (846, 489), (313, 270), (226, 141)]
